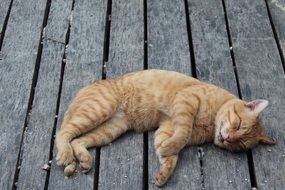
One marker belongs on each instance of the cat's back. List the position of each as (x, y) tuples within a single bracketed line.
[(158, 79)]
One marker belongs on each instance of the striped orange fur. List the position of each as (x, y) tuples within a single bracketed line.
[(186, 111)]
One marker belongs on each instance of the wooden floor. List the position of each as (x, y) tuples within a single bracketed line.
[(51, 48)]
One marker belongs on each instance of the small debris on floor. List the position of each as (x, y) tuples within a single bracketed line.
[(46, 167)]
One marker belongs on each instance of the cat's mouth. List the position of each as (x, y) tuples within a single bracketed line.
[(222, 139)]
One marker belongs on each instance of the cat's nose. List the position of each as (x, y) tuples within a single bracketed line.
[(228, 138)]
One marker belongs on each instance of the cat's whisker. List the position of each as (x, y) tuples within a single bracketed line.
[(243, 144)]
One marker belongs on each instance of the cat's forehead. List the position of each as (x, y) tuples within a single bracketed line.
[(240, 110)]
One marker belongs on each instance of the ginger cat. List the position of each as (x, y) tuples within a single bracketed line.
[(185, 110)]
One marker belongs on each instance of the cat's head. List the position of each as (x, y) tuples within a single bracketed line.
[(237, 125)]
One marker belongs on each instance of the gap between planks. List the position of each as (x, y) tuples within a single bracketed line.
[(249, 153), (106, 47), (63, 62), (194, 74), (32, 92), (2, 34), (275, 35), (145, 135)]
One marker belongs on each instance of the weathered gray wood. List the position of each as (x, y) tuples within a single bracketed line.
[(17, 65), (4, 7), (58, 21), (277, 10), (168, 49), (261, 76), (167, 36), (38, 135), (222, 169), (83, 66), (121, 164)]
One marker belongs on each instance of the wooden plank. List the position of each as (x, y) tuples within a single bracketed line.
[(4, 7), (121, 164), (168, 49), (214, 65), (277, 10), (17, 65), (167, 36), (261, 76), (83, 66), (37, 137)]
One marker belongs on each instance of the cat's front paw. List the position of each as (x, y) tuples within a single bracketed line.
[(65, 156), (160, 179), (168, 148)]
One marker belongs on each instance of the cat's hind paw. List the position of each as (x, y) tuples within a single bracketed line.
[(65, 156), (83, 156), (70, 169), (85, 163)]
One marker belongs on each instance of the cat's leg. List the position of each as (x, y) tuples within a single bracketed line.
[(167, 163), (184, 109), (90, 108), (100, 136)]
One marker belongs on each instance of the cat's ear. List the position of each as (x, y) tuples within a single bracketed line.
[(266, 140), (257, 106)]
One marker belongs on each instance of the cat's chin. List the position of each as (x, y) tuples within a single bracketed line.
[(223, 145), (218, 143), (228, 146)]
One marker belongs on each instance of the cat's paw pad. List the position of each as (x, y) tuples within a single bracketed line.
[(85, 162), (160, 179), (65, 156)]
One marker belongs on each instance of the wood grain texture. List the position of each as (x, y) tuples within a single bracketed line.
[(4, 7), (19, 52), (121, 164), (167, 36), (222, 169), (58, 21), (277, 10), (84, 56), (168, 49), (38, 134), (261, 76)]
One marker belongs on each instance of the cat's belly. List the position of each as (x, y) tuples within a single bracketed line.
[(143, 120)]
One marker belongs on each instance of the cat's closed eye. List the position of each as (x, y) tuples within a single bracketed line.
[(238, 127)]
